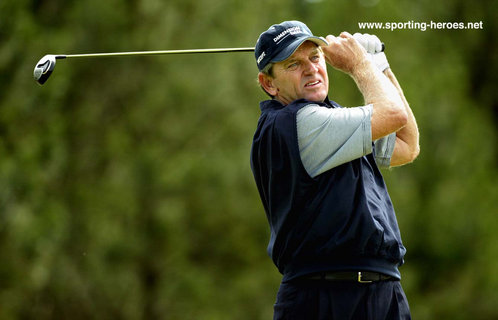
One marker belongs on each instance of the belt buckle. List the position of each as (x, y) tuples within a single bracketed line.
[(360, 280)]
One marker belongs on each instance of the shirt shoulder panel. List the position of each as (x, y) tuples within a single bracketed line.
[(329, 137)]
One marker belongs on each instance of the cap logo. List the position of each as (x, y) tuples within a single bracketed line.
[(286, 32), (261, 56)]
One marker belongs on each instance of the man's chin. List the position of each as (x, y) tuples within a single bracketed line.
[(316, 98)]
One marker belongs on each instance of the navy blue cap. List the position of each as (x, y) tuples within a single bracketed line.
[(280, 41)]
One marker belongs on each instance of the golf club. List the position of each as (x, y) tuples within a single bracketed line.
[(46, 65)]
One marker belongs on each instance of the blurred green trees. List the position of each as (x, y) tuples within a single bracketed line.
[(125, 187)]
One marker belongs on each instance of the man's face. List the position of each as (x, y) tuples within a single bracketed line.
[(302, 75)]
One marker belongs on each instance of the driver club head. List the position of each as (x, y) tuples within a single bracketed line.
[(44, 68)]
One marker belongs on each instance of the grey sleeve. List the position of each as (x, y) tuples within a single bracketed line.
[(384, 148), (329, 137)]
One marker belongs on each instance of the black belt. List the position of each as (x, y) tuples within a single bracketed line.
[(358, 276)]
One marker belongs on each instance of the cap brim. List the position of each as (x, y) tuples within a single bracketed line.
[(289, 51)]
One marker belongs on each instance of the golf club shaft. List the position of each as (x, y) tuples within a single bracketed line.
[(158, 52)]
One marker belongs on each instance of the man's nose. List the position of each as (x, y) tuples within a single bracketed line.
[(311, 67)]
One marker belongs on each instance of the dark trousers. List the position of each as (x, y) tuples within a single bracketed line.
[(341, 300)]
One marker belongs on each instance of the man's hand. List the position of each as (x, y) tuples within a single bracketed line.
[(370, 42), (373, 45), (345, 53)]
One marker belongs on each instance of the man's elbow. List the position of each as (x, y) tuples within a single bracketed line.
[(405, 155), (415, 152), (387, 117), (393, 112), (412, 154)]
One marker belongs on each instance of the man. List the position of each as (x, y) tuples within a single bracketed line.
[(334, 234)]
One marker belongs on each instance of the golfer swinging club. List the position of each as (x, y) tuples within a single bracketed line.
[(334, 234)]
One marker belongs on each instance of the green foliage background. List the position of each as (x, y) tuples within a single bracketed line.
[(125, 187)]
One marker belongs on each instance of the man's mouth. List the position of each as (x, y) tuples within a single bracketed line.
[(311, 84)]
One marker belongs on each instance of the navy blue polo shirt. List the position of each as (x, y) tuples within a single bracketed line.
[(341, 219)]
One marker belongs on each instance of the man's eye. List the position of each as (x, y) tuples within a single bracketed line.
[(292, 66), (315, 58)]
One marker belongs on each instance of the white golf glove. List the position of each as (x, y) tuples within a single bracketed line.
[(374, 47)]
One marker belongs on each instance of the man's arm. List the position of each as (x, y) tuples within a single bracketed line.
[(389, 113), (407, 146)]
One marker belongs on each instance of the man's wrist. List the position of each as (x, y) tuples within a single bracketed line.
[(380, 60), (363, 69)]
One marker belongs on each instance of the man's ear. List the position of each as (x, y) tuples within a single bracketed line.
[(266, 82)]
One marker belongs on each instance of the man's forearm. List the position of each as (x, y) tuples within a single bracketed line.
[(409, 134), (389, 113)]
